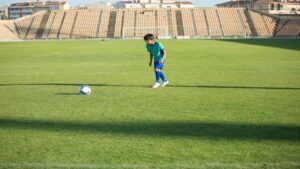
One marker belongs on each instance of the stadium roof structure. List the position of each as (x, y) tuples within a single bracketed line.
[(176, 2), (154, 4), (183, 2), (47, 3), (278, 1), (236, 2)]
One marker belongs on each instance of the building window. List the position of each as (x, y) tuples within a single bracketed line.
[(272, 7), (26, 13), (278, 7)]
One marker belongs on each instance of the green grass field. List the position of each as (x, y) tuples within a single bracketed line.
[(230, 104)]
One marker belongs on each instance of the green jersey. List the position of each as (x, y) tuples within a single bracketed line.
[(157, 50)]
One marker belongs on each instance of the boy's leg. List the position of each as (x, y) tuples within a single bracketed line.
[(157, 71), (157, 82), (157, 75), (165, 81), (162, 76)]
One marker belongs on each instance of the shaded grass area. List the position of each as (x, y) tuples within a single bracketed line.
[(164, 129)]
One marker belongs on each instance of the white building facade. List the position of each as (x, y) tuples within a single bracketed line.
[(154, 4), (3, 12), (17, 10)]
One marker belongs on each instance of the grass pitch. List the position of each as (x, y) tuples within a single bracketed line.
[(230, 104)]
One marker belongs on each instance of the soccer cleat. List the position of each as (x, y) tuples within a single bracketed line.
[(156, 85), (165, 84)]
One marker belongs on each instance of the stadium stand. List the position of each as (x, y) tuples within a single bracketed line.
[(103, 29), (247, 22), (48, 25), (42, 26), (201, 23), (188, 23), (129, 22), (34, 27), (66, 29), (8, 31), (270, 23), (260, 24), (289, 28), (145, 22), (23, 25), (112, 24), (231, 23), (179, 23), (56, 24), (86, 24), (134, 23), (162, 21), (172, 23), (119, 24), (214, 25)]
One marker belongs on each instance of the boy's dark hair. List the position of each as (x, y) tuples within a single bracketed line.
[(149, 36)]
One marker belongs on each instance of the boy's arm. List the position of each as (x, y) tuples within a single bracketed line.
[(151, 58), (162, 60)]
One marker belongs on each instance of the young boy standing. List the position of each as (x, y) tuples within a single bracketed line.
[(159, 54)]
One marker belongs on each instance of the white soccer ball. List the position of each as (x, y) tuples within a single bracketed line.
[(85, 89)]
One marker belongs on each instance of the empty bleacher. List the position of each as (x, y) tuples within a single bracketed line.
[(119, 24), (260, 25), (162, 22), (134, 23), (103, 29), (67, 25), (56, 24), (246, 22), (188, 23), (86, 24), (231, 23), (145, 22), (289, 28), (280, 24), (201, 23), (214, 25), (42, 26), (111, 24), (34, 27), (23, 26), (48, 25), (8, 31), (270, 23), (129, 23), (172, 23), (179, 23)]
